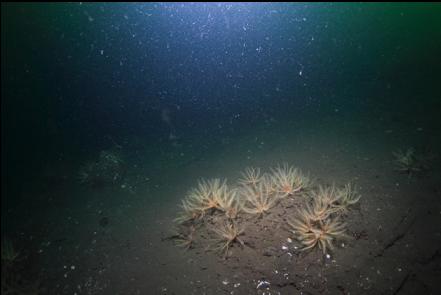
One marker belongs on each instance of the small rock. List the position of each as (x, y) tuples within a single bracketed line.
[(104, 221), (270, 251)]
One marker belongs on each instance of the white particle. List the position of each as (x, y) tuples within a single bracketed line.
[(263, 283)]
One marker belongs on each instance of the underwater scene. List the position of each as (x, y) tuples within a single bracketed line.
[(220, 148)]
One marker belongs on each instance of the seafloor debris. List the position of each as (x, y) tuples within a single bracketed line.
[(263, 284)]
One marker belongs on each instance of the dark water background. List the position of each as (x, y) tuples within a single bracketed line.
[(76, 78)]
